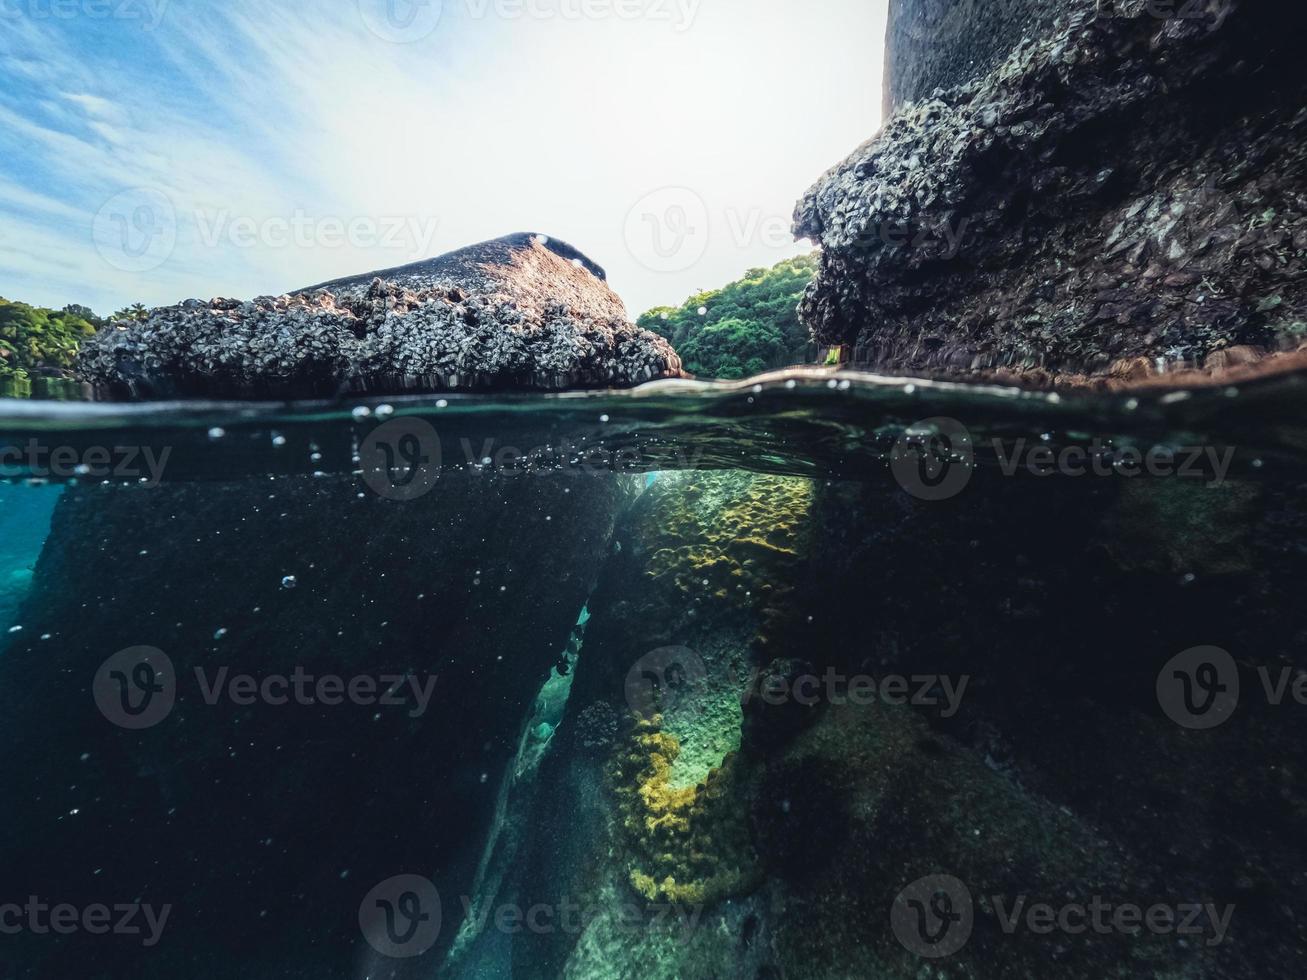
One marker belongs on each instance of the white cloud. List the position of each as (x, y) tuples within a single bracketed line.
[(490, 125)]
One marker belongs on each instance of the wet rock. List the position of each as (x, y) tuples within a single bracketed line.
[(1111, 185), (1223, 360), (522, 312), (1058, 776)]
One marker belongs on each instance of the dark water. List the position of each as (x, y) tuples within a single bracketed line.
[(807, 677)]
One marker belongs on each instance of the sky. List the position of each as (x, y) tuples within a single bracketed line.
[(158, 150)]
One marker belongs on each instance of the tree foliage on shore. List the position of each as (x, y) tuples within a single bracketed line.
[(746, 328), (36, 340)]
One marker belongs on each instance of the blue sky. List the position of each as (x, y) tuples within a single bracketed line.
[(154, 150)]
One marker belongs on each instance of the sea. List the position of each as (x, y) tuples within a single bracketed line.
[(820, 674)]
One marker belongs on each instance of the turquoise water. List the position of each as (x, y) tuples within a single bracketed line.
[(27, 514)]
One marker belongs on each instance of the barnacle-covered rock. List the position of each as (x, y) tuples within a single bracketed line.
[(522, 312), (1126, 183), (598, 726)]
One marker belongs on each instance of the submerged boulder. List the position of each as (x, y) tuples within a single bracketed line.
[(396, 649), (976, 714), (521, 312), (1070, 197)]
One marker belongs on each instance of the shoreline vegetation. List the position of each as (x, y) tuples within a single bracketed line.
[(745, 328), (37, 343)]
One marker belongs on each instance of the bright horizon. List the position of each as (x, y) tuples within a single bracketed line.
[(154, 152)]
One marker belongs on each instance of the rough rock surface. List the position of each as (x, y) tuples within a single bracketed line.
[(1058, 777), (1125, 186), (522, 312)]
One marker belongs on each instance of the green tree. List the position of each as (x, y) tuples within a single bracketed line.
[(33, 338), (745, 328), (85, 313), (134, 312)]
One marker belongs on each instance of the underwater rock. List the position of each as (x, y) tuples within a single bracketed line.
[(1023, 750), (650, 820), (1180, 529), (521, 312), (1120, 185), (233, 808), (773, 714)]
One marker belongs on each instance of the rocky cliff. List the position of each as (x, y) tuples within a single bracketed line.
[(522, 312), (1122, 192)]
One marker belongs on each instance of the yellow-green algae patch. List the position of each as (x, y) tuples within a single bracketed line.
[(733, 536), (688, 845), (725, 547)]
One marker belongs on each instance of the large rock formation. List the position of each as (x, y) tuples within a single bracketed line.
[(1026, 752), (1120, 189), (272, 817), (518, 312)]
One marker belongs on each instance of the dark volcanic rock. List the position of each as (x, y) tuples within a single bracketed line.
[(522, 312), (1122, 186), (272, 817), (1052, 771)]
